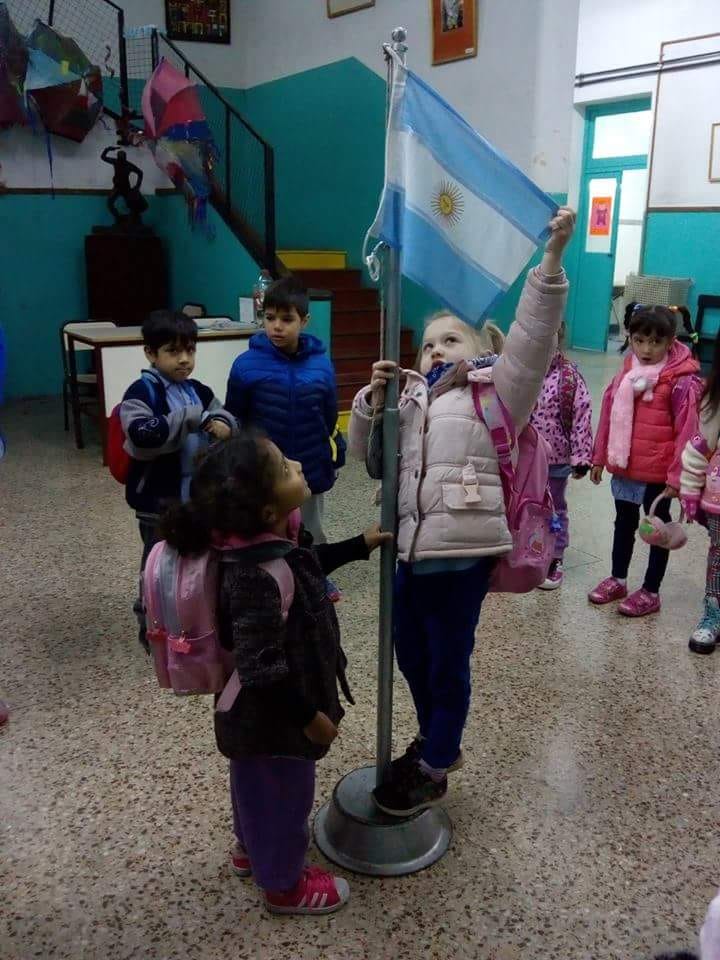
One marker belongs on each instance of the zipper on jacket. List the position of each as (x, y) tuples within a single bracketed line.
[(292, 409)]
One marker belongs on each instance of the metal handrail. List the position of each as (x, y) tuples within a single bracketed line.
[(264, 249)]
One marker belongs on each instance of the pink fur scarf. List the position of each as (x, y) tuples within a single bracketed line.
[(640, 378)]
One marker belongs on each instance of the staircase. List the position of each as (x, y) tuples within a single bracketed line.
[(355, 329), (243, 182)]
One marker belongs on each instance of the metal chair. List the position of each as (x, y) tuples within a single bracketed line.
[(80, 394)]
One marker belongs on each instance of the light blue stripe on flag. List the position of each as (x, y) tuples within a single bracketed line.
[(473, 162)]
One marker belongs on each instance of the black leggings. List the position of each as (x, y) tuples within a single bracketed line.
[(627, 520)]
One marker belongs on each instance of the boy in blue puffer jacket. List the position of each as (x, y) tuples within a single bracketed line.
[(285, 385)]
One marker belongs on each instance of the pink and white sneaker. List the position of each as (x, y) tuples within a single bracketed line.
[(240, 862), (317, 892), (607, 591), (640, 604), (554, 577)]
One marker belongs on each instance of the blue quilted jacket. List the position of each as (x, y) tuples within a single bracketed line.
[(293, 399)]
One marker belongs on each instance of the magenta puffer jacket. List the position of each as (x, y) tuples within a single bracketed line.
[(563, 414), (446, 451)]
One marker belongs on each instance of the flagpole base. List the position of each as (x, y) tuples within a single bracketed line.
[(353, 833)]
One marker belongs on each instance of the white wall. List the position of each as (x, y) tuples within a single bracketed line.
[(687, 107), (621, 33), (24, 161), (517, 91)]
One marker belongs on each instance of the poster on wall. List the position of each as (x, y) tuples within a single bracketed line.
[(206, 21), (454, 30), (601, 216)]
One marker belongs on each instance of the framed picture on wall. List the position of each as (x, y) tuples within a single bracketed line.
[(714, 171), (205, 21), (454, 30), (338, 8)]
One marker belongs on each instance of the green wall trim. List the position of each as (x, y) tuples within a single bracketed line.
[(685, 244)]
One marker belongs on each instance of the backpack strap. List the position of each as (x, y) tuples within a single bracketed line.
[(501, 429), (568, 388), (280, 571)]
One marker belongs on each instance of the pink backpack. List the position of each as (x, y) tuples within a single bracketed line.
[(528, 501), (180, 595)]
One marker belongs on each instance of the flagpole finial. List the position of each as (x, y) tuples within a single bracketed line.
[(399, 36)]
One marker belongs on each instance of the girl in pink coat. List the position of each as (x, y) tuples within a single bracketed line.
[(649, 412), (563, 416)]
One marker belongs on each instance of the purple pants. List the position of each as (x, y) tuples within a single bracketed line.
[(271, 799), (558, 488)]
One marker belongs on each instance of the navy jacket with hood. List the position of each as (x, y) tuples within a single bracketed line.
[(293, 399)]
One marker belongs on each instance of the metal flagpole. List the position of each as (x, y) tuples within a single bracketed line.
[(350, 830), (388, 514)]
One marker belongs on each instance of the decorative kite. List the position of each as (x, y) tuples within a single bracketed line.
[(62, 87), (13, 66), (179, 137)]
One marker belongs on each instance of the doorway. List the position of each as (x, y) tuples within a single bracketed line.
[(613, 193)]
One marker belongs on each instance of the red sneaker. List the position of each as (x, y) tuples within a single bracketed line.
[(640, 604), (240, 862), (317, 892), (607, 590)]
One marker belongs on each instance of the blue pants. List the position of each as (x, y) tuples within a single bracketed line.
[(435, 619)]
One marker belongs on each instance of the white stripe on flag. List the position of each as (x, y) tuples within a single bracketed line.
[(473, 228)]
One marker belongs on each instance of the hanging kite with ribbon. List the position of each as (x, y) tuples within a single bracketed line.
[(13, 66), (179, 136), (64, 89)]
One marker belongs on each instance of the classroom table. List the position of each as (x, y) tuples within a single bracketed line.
[(119, 358)]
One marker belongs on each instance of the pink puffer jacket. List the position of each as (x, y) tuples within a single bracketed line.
[(661, 426), (446, 451)]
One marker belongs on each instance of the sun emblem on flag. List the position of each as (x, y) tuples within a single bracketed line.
[(448, 203)]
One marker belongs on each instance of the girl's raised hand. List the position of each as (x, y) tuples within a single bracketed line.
[(561, 226), (382, 372)]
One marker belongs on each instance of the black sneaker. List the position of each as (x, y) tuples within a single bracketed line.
[(412, 756), (409, 791)]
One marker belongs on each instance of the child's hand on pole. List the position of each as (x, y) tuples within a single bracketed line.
[(375, 537), (382, 372)]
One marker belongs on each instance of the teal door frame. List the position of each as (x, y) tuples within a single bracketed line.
[(592, 169)]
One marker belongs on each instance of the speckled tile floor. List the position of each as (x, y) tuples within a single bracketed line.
[(586, 817)]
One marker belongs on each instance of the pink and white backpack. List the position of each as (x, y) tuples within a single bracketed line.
[(528, 501), (180, 595)]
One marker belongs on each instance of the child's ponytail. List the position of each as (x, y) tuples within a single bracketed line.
[(187, 527)]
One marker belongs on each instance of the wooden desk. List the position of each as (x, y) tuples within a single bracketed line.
[(119, 358)]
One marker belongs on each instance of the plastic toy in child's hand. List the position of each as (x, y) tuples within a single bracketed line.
[(658, 533), (690, 503)]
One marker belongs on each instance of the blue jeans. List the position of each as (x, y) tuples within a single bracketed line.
[(436, 615)]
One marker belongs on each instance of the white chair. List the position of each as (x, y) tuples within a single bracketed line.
[(79, 394)]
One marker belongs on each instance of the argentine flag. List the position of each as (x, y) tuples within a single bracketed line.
[(465, 220)]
